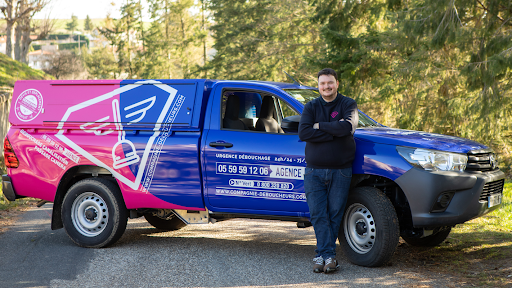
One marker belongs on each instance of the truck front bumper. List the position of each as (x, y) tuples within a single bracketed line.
[(7, 188), (468, 191)]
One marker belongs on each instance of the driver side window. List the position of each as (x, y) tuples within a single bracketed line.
[(254, 111)]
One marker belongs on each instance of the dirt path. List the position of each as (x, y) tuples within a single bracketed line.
[(8, 217)]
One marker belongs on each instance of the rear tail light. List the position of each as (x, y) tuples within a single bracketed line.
[(11, 161)]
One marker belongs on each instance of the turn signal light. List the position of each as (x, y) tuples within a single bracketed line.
[(10, 159)]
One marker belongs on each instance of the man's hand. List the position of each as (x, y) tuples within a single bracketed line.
[(316, 126)]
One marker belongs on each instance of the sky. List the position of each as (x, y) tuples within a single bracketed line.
[(63, 9)]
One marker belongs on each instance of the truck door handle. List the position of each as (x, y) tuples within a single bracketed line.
[(221, 144)]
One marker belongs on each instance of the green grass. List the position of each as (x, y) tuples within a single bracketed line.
[(6, 204), (11, 71)]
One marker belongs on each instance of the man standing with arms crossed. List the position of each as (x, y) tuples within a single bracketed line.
[(327, 126)]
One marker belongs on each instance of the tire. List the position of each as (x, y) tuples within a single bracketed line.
[(369, 232), (429, 241), (166, 225), (93, 213)]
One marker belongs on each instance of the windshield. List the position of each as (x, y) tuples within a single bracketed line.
[(306, 95), (303, 95)]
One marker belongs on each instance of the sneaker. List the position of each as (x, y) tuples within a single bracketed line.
[(331, 265), (319, 264)]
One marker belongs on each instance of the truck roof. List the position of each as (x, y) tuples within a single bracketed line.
[(208, 82)]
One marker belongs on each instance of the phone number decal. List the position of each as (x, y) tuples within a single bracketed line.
[(272, 171), (261, 184)]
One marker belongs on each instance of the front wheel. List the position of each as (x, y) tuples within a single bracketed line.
[(93, 213), (369, 233)]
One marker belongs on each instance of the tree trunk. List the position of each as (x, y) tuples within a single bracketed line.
[(17, 42), (9, 30), (25, 42), (9, 36), (19, 33)]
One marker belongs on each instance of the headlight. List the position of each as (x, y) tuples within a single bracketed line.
[(433, 160)]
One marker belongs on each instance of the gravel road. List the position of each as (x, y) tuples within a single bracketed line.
[(235, 253)]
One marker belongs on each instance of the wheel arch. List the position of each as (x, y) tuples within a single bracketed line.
[(393, 192), (69, 178)]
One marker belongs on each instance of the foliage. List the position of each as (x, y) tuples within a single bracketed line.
[(260, 39), (172, 43), (6, 204), (65, 64), (167, 49), (11, 71), (101, 64)]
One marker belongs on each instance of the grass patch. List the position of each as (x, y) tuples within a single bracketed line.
[(6, 204), (11, 70), (478, 251)]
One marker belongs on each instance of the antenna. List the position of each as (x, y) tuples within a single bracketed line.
[(293, 79)]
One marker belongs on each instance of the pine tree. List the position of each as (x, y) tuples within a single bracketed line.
[(260, 39), (72, 25), (88, 26), (173, 42)]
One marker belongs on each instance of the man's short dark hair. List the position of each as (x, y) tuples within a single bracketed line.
[(328, 71)]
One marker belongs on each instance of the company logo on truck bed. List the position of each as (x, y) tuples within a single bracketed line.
[(28, 105), (117, 112)]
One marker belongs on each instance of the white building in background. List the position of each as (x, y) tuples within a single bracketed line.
[(39, 59)]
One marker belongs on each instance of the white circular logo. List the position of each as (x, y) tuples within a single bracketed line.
[(28, 105)]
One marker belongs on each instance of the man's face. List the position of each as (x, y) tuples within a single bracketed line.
[(328, 87)]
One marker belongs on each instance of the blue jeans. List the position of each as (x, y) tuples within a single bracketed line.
[(326, 194)]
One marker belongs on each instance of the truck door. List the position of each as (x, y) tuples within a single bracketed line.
[(251, 165)]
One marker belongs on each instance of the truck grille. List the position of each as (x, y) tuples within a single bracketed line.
[(481, 161), (492, 188)]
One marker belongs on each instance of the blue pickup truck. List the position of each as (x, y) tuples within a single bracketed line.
[(181, 152)]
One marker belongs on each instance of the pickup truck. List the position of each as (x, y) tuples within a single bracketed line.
[(181, 152)]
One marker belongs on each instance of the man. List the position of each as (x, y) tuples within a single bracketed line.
[(327, 126)]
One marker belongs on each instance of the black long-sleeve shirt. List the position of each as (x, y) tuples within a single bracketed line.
[(332, 146)]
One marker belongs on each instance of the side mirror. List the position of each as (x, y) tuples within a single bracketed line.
[(290, 124)]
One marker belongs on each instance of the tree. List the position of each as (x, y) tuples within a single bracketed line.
[(173, 42), (88, 26), (19, 12), (124, 39), (260, 39), (41, 28), (65, 64), (9, 11), (26, 27), (101, 64), (72, 25)]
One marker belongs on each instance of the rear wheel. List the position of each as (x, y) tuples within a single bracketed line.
[(429, 241), (369, 233), (165, 224), (93, 213)]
